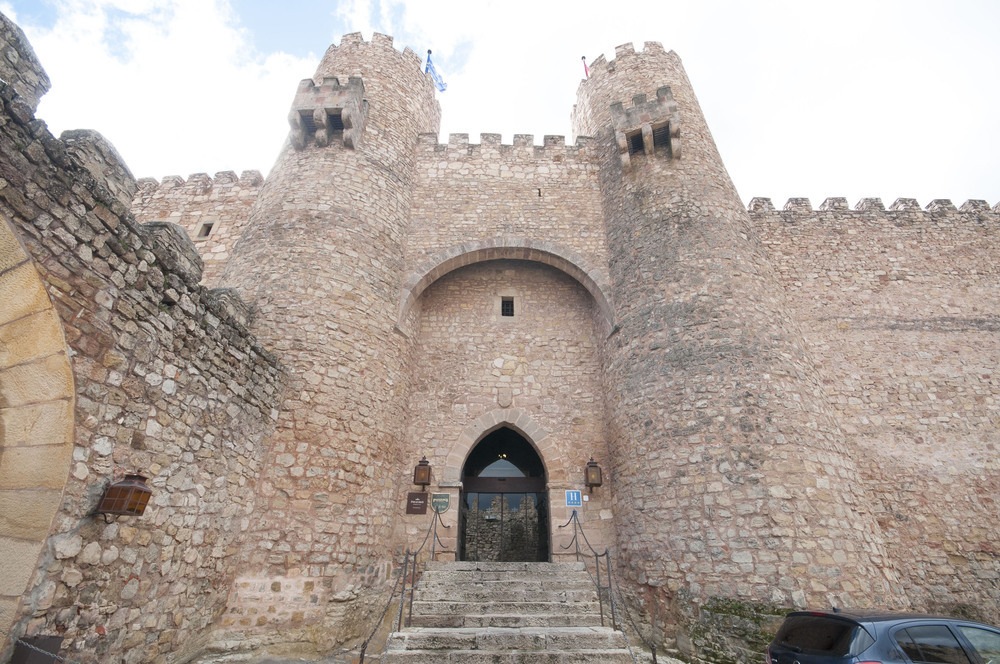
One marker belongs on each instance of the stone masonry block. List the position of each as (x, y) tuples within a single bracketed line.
[(21, 293), (37, 424), (174, 249), (16, 565), (26, 514), (35, 467), (11, 252), (46, 379), (30, 338)]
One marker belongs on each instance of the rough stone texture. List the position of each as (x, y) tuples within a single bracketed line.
[(112, 360), (899, 308), (19, 67), (733, 478), (334, 218), (466, 354), (213, 211), (792, 408)]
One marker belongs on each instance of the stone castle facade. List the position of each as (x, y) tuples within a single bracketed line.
[(792, 408)]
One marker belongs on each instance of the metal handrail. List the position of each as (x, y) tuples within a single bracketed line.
[(613, 588)]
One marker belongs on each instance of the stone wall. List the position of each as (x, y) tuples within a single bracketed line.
[(164, 379), (334, 218), (732, 478), (470, 364), (899, 307), (473, 192), (213, 211), (19, 67)]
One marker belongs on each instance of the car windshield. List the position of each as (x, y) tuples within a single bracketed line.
[(823, 635)]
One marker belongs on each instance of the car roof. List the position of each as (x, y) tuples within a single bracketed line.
[(876, 616)]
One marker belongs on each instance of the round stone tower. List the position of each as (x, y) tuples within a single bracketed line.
[(731, 478), (320, 262)]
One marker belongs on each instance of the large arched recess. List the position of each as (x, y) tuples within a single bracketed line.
[(467, 253), (36, 420), (518, 420)]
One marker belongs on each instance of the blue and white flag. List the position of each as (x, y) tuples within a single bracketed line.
[(435, 76)]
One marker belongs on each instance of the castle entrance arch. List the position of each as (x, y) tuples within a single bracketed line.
[(504, 502)]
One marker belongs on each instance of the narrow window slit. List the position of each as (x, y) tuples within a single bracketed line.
[(507, 306)]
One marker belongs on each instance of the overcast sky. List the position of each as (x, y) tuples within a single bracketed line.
[(804, 98)]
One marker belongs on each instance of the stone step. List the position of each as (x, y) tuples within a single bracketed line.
[(506, 613), (589, 619), (610, 656), (502, 593), (518, 580), (507, 638), (455, 608), (485, 566)]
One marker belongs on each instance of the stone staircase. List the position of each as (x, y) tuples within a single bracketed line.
[(502, 613)]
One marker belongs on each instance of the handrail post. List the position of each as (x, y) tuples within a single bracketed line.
[(435, 535), (413, 585), (402, 590), (600, 593), (615, 623)]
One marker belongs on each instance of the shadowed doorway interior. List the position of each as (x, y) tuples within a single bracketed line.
[(504, 505)]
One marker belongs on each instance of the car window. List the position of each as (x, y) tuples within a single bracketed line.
[(823, 635), (931, 643), (985, 641)]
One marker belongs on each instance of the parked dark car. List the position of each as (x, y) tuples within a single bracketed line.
[(842, 637)]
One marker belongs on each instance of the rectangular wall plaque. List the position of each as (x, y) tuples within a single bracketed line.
[(416, 502)]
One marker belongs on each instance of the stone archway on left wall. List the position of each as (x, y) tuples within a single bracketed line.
[(36, 421)]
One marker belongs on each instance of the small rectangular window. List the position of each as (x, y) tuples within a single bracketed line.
[(635, 145), (507, 306), (205, 229), (336, 120)]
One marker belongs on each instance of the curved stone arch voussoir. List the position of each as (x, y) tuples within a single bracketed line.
[(517, 419), (36, 420), (467, 253)]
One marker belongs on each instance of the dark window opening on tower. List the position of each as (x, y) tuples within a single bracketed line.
[(336, 120), (507, 306), (635, 145), (206, 229), (308, 124), (661, 137)]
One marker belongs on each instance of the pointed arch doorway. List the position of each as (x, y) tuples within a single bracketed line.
[(504, 503)]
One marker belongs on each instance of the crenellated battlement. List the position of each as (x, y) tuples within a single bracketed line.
[(645, 82), (380, 48), (200, 183), (553, 147), (212, 210), (908, 209), (623, 54), (378, 40)]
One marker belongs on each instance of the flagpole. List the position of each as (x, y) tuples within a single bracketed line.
[(586, 69)]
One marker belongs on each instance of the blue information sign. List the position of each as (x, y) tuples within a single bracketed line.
[(574, 499)]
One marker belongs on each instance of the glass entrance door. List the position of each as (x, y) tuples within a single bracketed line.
[(504, 504), (505, 527)]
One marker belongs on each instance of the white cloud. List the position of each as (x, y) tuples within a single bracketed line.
[(175, 85), (849, 98)]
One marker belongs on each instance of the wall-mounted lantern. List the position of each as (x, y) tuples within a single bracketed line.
[(422, 473), (128, 497), (592, 475)]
